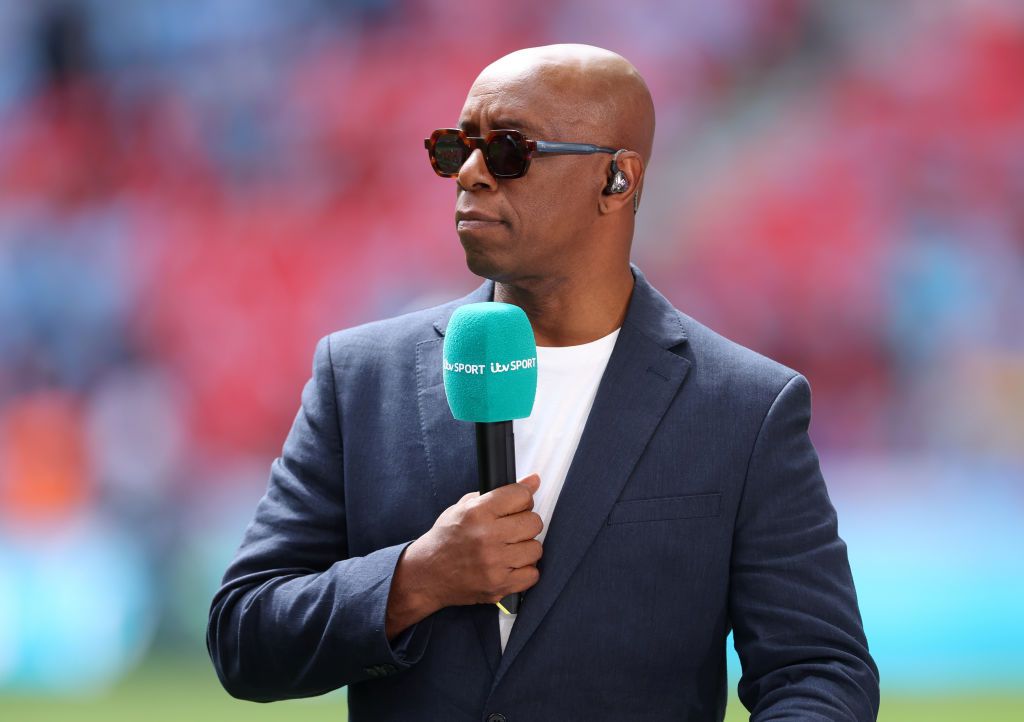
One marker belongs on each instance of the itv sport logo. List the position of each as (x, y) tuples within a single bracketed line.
[(496, 367)]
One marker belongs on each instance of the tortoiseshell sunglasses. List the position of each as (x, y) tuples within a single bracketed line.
[(507, 153)]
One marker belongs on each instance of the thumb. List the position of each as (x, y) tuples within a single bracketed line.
[(532, 482)]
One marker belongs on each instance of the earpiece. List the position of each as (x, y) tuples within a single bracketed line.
[(618, 183)]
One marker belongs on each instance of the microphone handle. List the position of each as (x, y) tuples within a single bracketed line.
[(496, 465)]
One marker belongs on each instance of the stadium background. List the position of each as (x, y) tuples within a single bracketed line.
[(193, 192)]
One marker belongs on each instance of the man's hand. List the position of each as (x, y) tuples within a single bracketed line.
[(479, 550)]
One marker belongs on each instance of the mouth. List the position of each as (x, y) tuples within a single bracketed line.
[(475, 220), (471, 224)]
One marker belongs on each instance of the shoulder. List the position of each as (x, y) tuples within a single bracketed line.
[(728, 368), (388, 338)]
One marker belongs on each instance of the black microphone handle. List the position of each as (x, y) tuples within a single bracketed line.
[(496, 465)]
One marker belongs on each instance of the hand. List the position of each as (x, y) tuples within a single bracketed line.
[(481, 548)]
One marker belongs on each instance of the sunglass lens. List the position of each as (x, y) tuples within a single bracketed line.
[(506, 155), (450, 152)]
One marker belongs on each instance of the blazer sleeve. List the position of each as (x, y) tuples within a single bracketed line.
[(792, 602), (295, 616)]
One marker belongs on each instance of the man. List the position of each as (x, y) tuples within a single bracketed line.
[(689, 496)]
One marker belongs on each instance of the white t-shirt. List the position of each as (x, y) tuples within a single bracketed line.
[(567, 380)]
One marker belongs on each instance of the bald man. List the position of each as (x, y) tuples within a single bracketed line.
[(669, 493)]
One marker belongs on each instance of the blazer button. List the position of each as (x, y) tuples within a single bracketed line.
[(496, 717)]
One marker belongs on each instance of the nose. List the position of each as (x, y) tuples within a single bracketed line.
[(473, 175)]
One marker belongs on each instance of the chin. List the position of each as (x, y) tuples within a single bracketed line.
[(485, 267), (480, 266), (480, 260)]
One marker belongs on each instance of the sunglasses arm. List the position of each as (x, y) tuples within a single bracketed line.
[(545, 147)]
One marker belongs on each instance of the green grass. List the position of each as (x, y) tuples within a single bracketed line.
[(166, 690), (163, 690), (976, 707)]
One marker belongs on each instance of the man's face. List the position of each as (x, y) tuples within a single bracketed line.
[(542, 218)]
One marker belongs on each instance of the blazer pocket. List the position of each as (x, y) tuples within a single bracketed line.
[(661, 508)]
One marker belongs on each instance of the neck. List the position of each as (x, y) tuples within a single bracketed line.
[(569, 310)]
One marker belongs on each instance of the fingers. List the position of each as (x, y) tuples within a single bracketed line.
[(523, 578), (525, 553), (514, 528), (486, 544), (532, 481), (512, 498)]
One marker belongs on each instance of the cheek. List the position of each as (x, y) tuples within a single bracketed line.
[(554, 206)]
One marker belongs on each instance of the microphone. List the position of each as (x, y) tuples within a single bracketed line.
[(490, 378)]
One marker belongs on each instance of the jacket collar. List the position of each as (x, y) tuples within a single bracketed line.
[(649, 312)]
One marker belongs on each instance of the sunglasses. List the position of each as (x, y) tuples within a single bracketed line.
[(507, 153)]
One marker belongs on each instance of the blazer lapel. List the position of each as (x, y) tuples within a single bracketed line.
[(451, 450), (641, 379), (450, 444)]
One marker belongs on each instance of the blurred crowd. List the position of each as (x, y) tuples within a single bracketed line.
[(878, 221), (192, 193)]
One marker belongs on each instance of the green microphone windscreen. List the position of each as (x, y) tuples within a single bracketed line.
[(490, 362)]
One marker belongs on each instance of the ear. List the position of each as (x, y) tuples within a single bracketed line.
[(632, 167)]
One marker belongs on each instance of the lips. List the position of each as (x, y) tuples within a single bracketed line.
[(475, 216)]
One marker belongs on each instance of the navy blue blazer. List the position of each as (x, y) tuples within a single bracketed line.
[(694, 505)]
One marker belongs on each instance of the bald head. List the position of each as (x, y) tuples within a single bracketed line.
[(581, 91)]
